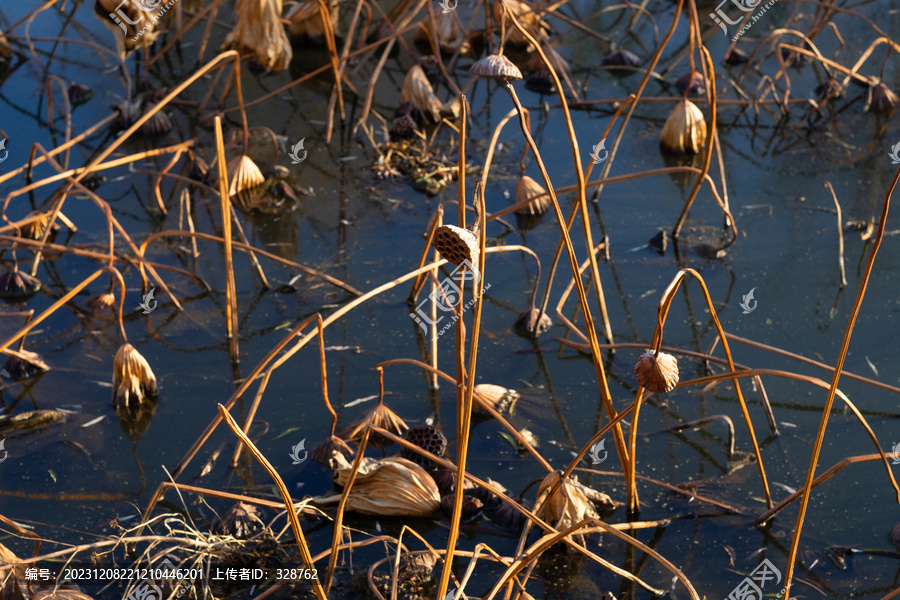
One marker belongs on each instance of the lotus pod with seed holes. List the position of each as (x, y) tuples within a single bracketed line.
[(657, 373), (496, 66), (498, 397), (428, 438), (456, 244)]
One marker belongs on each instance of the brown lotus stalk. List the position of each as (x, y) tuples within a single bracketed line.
[(133, 379), (456, 244), (657, 372), (390, 486), (326, 449), (259, 31), (417, 89), (305, 20), (685, 129)]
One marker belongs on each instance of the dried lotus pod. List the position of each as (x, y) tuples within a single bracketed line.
[(18, 285), (403, 128), (685, 129), (240, 521), (450, 36), (305, 20), (36, 228), (79, 94), (417, 89), (691, 83), (27, 364), (471, 507), (427, 437), (129, 111), (416, 568), (324, 452), (530, 322), (259, 31), (496, 66), (621, 58), (456, 245), (243, 174), (881, 98), (101, 302), (657, 373), (158, 124), (446, 482), (498, 397), (527, 17), (568, 505), (390, 486), (529, 190), (133, 379)]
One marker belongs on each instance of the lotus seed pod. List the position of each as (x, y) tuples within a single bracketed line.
[(498, 397), (456, 244), (529, 189), (496, 66), (657, 372), (685, 129)]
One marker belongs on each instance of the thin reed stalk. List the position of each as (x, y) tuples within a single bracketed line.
[(829, 402), (231, 317), (285, 496)]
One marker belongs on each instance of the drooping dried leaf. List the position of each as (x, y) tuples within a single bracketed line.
[(568, 505), (243, 174), (128, 21), (27, 364), (390, 486)]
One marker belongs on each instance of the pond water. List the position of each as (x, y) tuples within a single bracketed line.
[(72, 482)]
